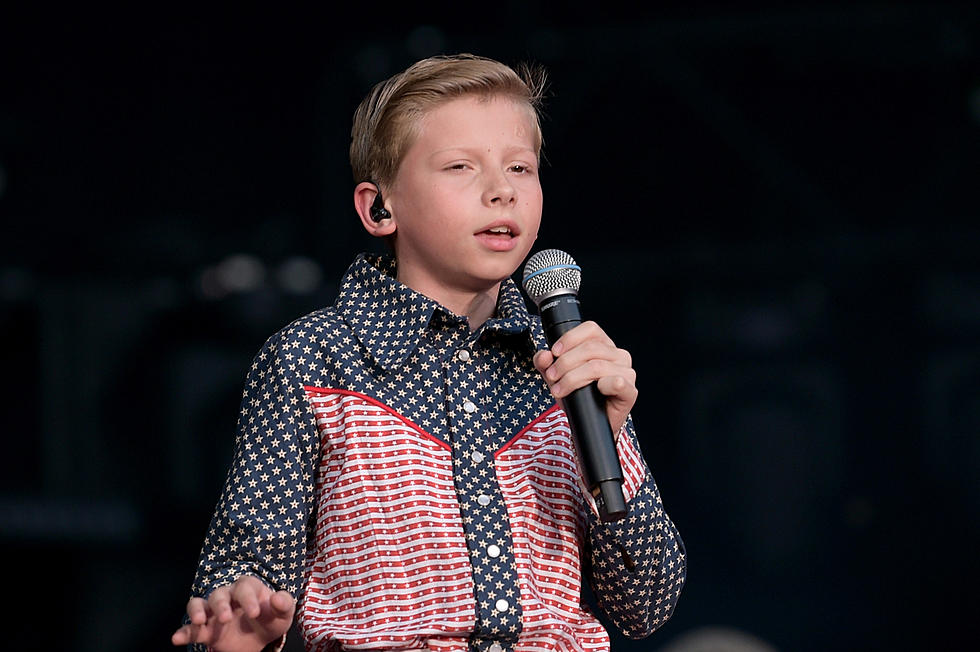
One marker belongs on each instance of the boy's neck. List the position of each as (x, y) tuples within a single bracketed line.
[(477, 307)]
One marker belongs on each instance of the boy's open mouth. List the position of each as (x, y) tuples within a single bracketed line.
[(499, 231)]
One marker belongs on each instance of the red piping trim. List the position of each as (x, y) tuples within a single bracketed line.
[(513, 439), (327, 391)]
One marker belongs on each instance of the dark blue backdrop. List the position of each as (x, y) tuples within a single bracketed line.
[(775, 207)]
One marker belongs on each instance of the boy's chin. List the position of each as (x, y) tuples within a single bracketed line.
[(495, 274)]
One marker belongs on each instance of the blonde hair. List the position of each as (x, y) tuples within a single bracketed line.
[(387, 121)]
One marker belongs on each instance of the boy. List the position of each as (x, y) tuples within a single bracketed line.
[(401, 468)]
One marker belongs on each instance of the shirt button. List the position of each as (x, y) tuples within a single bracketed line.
[(464, 355), (495, 647), (493, 551), (476, 456), (469, 407), (483, 499), (502, 605)]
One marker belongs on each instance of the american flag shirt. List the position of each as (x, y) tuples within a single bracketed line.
[(417, 487)]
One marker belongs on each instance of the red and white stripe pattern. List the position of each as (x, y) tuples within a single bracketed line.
[(634, 467), (391, 567), (538, 475)]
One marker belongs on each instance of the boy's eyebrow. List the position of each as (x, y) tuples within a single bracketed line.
[(469, 150)]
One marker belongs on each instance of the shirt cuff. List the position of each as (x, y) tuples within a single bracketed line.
[(632, 463)]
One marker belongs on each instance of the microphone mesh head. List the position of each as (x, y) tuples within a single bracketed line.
[(551, 272)]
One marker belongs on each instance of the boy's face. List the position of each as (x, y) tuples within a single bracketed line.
[(466, 200)]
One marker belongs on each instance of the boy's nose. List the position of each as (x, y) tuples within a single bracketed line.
[(499, 190)]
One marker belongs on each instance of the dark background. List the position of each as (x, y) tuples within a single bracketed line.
[(775, 206)]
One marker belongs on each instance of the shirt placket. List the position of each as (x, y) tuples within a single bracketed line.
[(468, 373)]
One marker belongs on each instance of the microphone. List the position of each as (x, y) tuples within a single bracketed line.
[(552, 280)]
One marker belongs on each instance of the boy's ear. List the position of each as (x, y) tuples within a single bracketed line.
[(365, 194)]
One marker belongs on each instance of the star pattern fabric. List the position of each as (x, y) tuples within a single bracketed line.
[(416, 487)]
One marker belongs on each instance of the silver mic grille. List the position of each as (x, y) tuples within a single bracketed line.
[(550, 272)]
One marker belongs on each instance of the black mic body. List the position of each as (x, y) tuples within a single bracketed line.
[(585, 408)]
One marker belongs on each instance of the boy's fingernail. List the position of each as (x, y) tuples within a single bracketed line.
[(556, 349)]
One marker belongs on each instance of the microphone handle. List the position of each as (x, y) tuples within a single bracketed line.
[(586, 412)]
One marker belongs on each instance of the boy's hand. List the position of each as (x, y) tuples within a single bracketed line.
[(243, 616), (585, 354)]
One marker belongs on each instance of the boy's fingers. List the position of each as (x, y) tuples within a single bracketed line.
[(185, 635), (578, 377), (197, 611), (587, 372), (219, 603), (617, 386), (282, 603), (248, 594), (542, 360), (584, 331), (191, 634), (181, 636), (585, 353)]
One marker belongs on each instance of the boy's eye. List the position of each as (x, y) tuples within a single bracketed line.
[(521, 169)]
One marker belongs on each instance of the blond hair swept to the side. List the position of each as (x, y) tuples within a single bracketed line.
[(387, 121)]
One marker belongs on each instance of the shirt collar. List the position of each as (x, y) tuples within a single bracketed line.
[(389, 318)]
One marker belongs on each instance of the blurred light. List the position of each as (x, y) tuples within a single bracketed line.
[(425, 41), (299, 275), (241, 272), (238, 273), (209, 285), (717, 638)]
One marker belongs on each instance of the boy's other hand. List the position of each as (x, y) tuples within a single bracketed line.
[(585, 354), (246, 615)]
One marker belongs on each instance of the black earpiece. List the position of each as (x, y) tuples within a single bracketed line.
[(378, 210)]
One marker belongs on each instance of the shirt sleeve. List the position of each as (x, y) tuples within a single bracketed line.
[(638, 564), (260, 523)]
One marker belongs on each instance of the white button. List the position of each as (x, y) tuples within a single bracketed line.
[(502, 605), (493, 551), (469, 406), (483, 499), (495, 647), (476, 456), (464, 355)]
